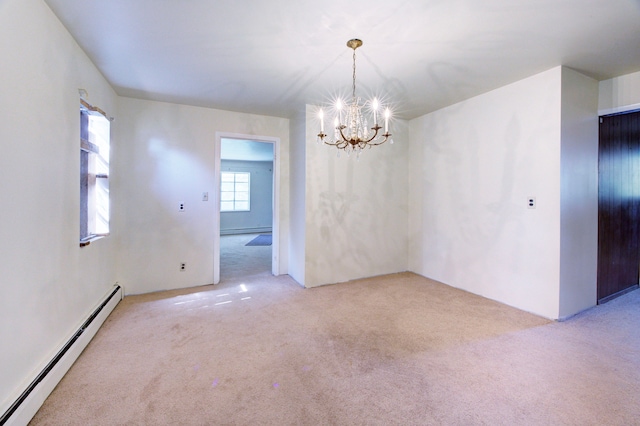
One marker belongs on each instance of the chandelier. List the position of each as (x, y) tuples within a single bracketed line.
[(351, 131)]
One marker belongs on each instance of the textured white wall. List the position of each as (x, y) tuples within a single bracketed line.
[(619, 94), (579, 193), (298, 215), (472, 167), (356, 211), (167, 156), (48, 284)]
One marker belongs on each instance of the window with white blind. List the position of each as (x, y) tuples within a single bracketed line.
[(235, 195)]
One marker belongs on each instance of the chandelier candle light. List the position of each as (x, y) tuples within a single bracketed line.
[(353, 134)]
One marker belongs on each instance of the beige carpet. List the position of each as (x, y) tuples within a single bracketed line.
[(240, 261), (391, 350)]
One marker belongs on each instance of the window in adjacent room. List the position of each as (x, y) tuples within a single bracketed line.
[(95, 129), (234, 191)]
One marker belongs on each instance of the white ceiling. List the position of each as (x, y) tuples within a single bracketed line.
[(272, 56)]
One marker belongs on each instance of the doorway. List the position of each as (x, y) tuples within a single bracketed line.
[(618, 205), (249, 164)]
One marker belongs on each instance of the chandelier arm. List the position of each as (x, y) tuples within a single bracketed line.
[(375, 135), (386, 138), (342, 137), (362, 142), (343, 142), (340, 143)]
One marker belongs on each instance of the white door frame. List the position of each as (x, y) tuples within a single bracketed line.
[(275, 226)]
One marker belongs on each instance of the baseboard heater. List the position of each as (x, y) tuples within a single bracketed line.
[(28, 403)]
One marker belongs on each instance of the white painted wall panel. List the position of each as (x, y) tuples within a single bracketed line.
[(297, 234), (356, 211), (579, 193), (167, 153), (48, 284), (472, 167)]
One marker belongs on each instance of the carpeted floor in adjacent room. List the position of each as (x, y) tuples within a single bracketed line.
[(390, 350)]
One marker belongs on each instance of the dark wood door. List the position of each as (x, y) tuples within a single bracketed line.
[(619, 204)]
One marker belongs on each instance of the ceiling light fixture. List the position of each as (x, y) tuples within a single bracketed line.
[(353, 134)]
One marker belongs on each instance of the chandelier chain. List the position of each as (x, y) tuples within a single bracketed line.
[(354, 74)]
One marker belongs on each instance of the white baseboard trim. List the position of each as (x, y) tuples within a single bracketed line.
[(245, 231), (30, 401)]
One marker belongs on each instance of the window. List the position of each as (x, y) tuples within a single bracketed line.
[(95, 129), (234, 191)]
